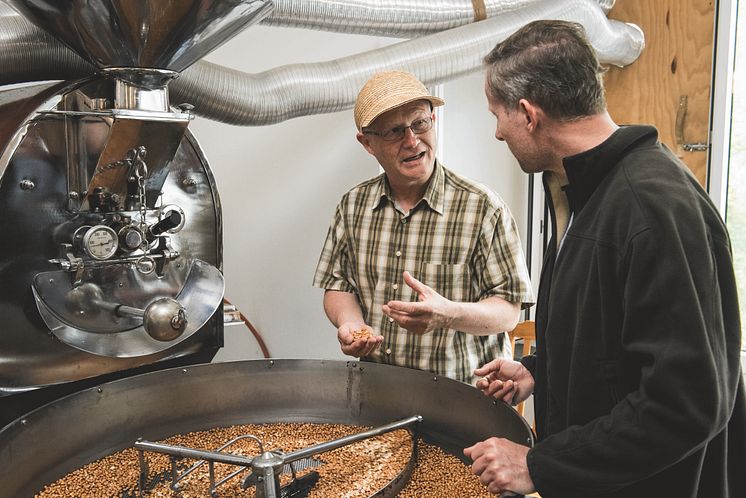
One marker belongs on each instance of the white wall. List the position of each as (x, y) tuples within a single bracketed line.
[(279, 185)]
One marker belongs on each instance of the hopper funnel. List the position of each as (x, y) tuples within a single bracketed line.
[(159, 34)]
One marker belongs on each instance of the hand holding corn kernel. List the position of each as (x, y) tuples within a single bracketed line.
[(358, 339)]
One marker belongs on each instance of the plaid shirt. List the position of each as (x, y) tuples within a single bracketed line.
[(460, 239)]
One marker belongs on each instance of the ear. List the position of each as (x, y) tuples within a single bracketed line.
[(365, 142), (531, 112)]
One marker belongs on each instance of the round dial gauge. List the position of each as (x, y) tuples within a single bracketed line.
[(100, 242)]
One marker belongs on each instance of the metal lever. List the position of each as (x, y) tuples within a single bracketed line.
[(171, 220), (164, 319)]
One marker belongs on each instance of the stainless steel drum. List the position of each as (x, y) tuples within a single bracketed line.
[(62, 436)]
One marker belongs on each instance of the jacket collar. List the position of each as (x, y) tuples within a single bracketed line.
[(587, 170)]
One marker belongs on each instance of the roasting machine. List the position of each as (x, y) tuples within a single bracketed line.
[(111, 284), (111, 255)]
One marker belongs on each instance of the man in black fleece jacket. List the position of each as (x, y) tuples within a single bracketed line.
[(636, 379)]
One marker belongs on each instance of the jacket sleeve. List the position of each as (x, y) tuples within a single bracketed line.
[(680, 343)]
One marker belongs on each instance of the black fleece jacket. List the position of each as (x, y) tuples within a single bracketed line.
[(639, 390)]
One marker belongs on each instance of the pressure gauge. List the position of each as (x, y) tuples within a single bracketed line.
[(100, 242)]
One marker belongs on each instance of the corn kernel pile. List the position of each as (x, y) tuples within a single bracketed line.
[(357, 470)]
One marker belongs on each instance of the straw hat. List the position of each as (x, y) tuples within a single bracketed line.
[(388, 90)]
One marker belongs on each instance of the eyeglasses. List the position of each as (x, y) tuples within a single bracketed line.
[(420, 125)]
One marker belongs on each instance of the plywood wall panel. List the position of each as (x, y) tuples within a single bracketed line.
[(676, 62)]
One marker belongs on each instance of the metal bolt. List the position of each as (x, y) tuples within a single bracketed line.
[(183, 370), (189, 182), (27, 184), (100, 389)]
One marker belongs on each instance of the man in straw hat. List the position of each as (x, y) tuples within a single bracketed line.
[(636, 379), (422, 268)]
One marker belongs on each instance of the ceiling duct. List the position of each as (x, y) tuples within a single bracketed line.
[(399, 19)]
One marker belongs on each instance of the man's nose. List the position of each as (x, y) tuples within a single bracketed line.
[(410, 137)]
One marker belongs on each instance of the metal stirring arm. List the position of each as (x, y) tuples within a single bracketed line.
[(267, 467), (344, 441)]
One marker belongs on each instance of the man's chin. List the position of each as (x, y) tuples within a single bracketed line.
[(529, 168)]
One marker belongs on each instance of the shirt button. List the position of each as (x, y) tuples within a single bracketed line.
[(388, 350), (398, 254), (404, 221), (391, 319), (395, 286)]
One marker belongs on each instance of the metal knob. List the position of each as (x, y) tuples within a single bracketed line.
[(164, 319)]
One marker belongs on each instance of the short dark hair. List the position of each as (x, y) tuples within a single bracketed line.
[(551, 64)]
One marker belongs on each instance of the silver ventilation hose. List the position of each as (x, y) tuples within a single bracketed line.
[(296, 90), (395, 18), (28, 53), (233, 97)]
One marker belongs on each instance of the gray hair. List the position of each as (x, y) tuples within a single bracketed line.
[(551, 64)]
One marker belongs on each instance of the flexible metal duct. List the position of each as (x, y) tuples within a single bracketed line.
[(302, 89), (233, 97), (395, 18), (28, 53)]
